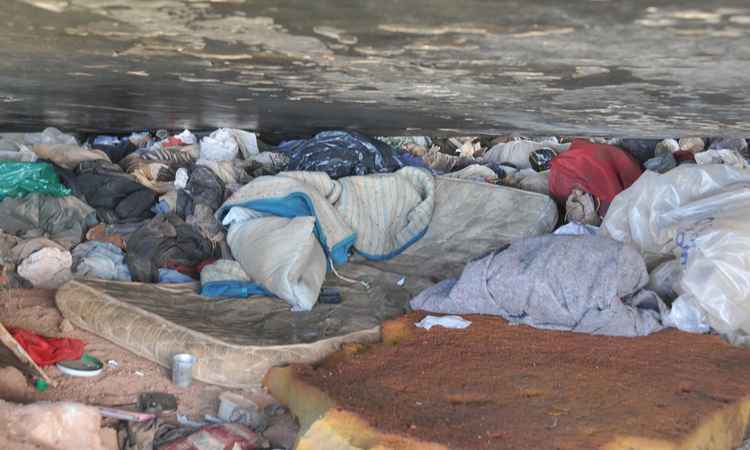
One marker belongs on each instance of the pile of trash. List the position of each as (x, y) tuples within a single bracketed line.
[(248, 217)]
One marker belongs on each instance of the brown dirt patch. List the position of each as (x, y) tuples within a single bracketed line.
[(498, 386), (35, 309)]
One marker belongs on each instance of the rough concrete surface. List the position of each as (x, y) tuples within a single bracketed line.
[(596, 67)]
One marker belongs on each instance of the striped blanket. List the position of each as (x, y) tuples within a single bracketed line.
[(376, 216)]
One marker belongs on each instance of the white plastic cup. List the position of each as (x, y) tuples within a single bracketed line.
[(182, 369)]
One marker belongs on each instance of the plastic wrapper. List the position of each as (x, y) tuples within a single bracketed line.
[(20, 178)]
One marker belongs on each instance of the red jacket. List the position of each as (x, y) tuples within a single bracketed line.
[(601, 170)]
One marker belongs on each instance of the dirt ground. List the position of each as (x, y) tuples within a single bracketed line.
[(35, 309), (498, 386)]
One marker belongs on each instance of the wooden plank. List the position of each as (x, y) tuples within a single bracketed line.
[(7, 339)]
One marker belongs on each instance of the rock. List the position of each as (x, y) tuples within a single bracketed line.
[(692, 144), (13, 385), (50, 426)]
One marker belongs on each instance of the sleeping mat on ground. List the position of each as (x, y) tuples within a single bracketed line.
[(237, 340)]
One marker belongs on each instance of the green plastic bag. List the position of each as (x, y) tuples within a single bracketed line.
[(20, 178)]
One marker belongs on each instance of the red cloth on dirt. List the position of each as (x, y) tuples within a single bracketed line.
[(601, 170), (46, 351)]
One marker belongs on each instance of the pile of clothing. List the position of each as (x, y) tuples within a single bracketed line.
[(648, 222)]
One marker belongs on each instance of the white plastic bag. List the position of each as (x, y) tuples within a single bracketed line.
[(50, 136), (187, 137), (715, 254), (47, 268), (219, 146), (687, 315), (645, 215), (248, 143), (282, 255), (181, 178), (700, 214)]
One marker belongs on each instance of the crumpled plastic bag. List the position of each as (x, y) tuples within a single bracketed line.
[(50, 136), (47, 268), (220, 145), (686, 315), (722, 156), (699, 214), (13, 148), (646, 214), (20, 178), (181, 178), (186, 137), (715, 254), (247, 142)]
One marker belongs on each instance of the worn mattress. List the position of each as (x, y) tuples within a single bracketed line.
[(237, 340)]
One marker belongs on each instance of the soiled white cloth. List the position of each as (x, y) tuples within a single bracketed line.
[(456, 322)]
